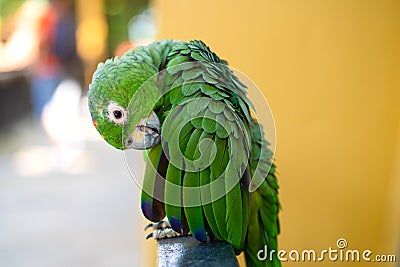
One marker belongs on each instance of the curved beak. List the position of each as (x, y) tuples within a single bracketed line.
[(146, 133)]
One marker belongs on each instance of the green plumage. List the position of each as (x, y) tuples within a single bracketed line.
[(213, 148)]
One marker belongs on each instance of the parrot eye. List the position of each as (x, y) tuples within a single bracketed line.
[(116, 114)]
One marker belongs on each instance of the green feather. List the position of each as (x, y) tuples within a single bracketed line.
[(176, 61), (191, 197), (191, 192), (246, 215), (234, 216), (209, 123), (196, 56), (222, 126), (197, 122), (152, 208), (208, 78), (198, 105), (155, 54), (205, 151), (189, 88), (191, 74), (216, 107), (172, 194), (174, 173), (208, 89), (178, 138), (206, 202), (192, 144), (217, 168)]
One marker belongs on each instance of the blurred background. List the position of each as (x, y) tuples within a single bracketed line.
[(330, 71)]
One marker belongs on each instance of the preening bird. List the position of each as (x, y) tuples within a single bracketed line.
[(209, 169)]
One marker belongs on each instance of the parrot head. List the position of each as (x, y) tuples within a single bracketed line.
[(122, 97)]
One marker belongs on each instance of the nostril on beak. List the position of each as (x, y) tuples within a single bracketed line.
[(129, 141)]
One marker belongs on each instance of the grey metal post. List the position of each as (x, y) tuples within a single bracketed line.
[(186, 251)]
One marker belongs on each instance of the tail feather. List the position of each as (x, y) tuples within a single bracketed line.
[(261, 239)]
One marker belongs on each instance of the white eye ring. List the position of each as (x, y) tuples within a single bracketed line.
[(116, 114)]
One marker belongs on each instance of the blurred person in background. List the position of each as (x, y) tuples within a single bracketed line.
[(57, 84), (57, 58)]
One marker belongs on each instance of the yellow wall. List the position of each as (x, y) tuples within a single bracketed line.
[(91, 34), (330, 71)]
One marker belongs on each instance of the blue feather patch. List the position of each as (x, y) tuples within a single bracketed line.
[(147, 210), (200, 235), (176, 224)]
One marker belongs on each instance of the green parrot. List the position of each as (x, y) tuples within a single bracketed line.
[(208, 167)]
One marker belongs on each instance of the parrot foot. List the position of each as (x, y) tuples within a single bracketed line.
[(161, 230), (159, 225), (163, 233)]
